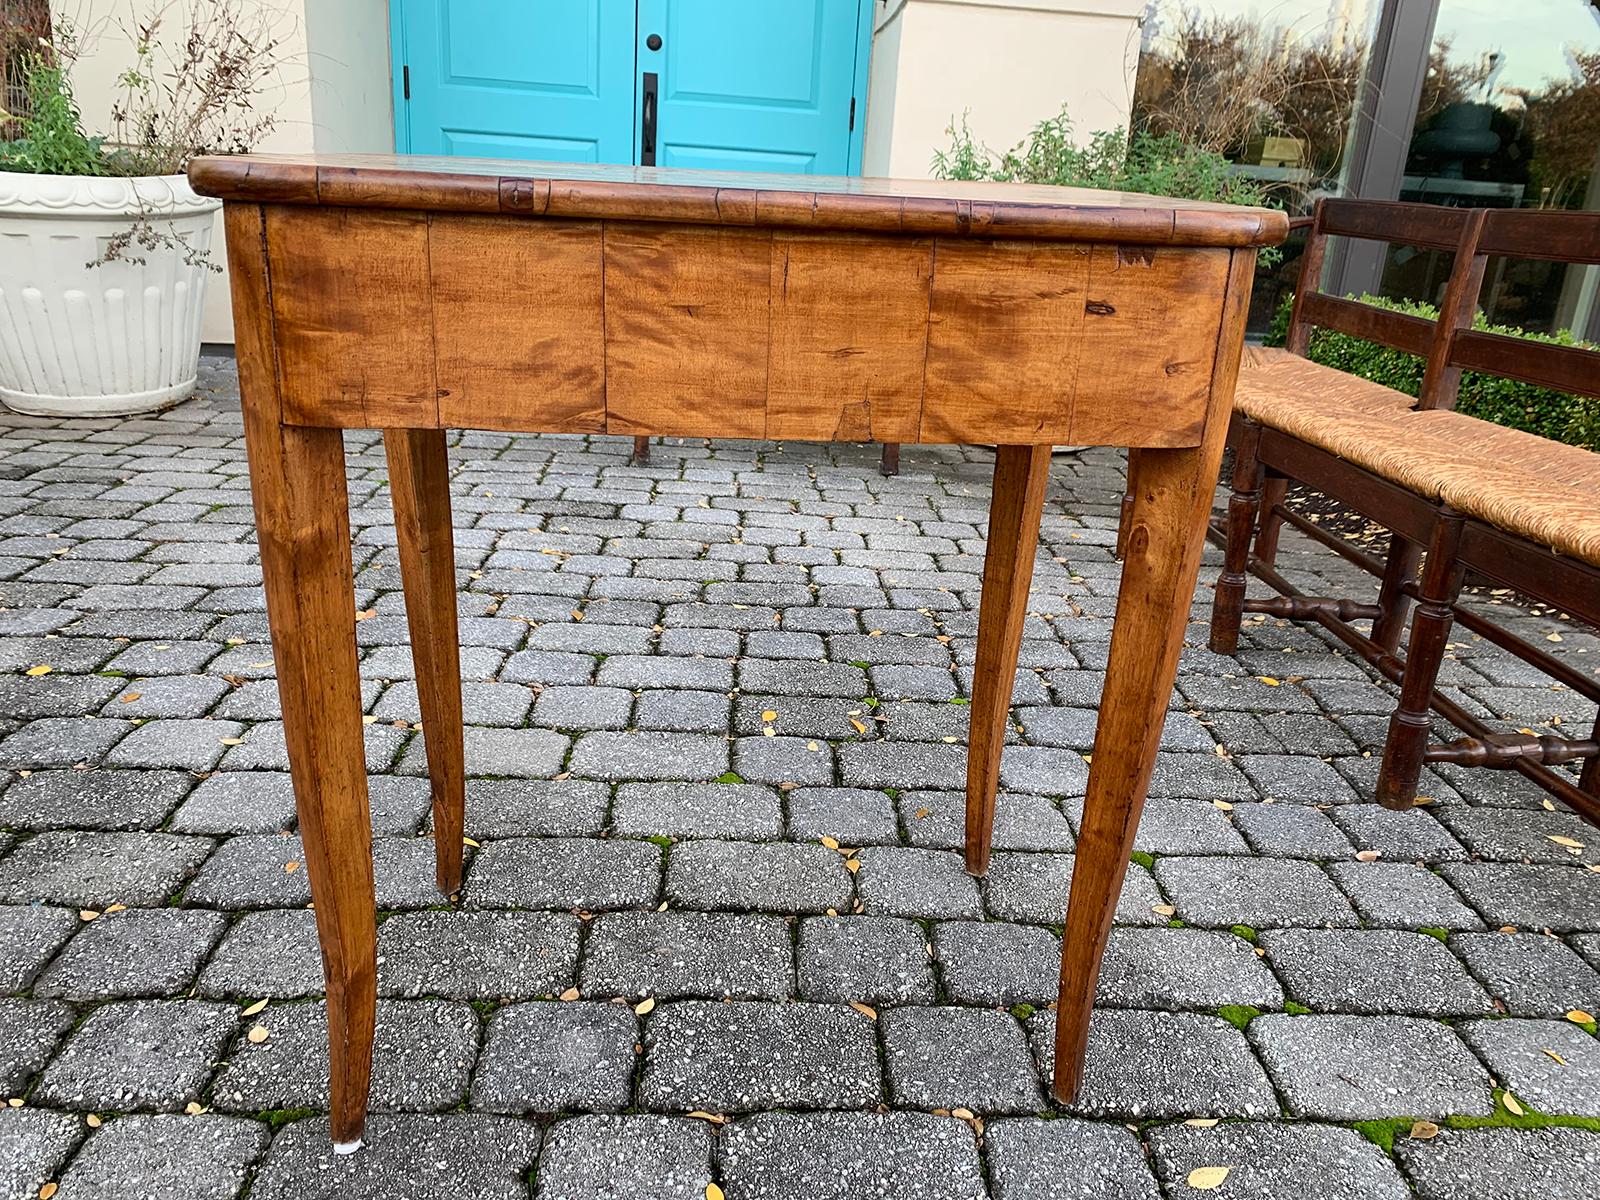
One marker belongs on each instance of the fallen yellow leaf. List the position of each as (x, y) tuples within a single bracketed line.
[(88, 914), (571, 993), (713, 1192), (254, 1009), (466, 841), (860, 728), (714, 1118), (47, 1190), (289, 868), (961, 1114), (1165, 910), (1270, 682), (231, 741), (1223, 805), (866, 1010), (258, 1034), (130, 697), (769, 715), (1202, 1122), (812, 746), (1511, 1104), (852, 865), (1205, 1179), (41, 669), (1554, 1057), (111, 908), (93, 1121), (1423, 1130), (1368, 855), (1569, 843), (832, 843), (1580, 1017), (194, 1108), (644, 1006)]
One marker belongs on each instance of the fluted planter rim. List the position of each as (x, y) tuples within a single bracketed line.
[(95, 197)]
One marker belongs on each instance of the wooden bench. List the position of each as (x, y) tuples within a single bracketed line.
[(1456, 493)]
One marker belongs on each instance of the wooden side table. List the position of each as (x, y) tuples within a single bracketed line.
[(415, 295)]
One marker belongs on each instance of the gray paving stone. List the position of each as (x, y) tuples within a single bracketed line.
[(902, 765), (268, 871), (1403, 895), (29, 1031), (716, 810), (584, 707), (757, 876), (988, 962), (870, 960), (745, 1056), (535, 807), (1538, 897), (1066, 1159), (60, 742), (164, 1157), (937, 820), (29, 937), (1411, 836), (490, 704), (672, 954), (1297, 779), (95, 869), (93, 799), (1291, 831), (422, 1054), (1502, 1164), (602, 1157), (146, 1054), (1532, 974), (189, 745), (1034, 887), (54, 695), (271, 954), (959, 1057), (851, 816), (1373, 971), (506, 753), (1259, 892), (238, 802), (666, 671), (782, 678), (1177, 827), (1524, 835), (137, 952), (1183, 969), (842, 1156), (33, 1146), (477, 955), (1144, 1065), (1278, 1161), (551, 1057), (172, 696), (1200, 777), (683, 711), (649, 756), (1519, 1054), (264, 749), (420, 1157), (1360, 1068), (564, 873), (903, 882), (784, 760)]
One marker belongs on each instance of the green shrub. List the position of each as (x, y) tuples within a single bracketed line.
[(1154, 164), (49, 137), (1551, 414)]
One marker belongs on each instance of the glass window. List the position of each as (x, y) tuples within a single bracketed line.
[(1509, 117)]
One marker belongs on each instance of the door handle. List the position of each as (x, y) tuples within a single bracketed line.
[(647, 121)]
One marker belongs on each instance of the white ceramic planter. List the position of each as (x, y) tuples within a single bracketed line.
[(91, 341)]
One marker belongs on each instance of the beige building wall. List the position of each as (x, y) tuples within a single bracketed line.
[(1008, 63)]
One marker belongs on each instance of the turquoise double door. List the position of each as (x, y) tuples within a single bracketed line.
[(743, 85)]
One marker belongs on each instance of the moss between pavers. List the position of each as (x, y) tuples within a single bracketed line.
[(1295, 1009), (729, 777), (277, 1118), (1238, 1015), (1244, 931), (1383, 1132), (1434, 931), (1147, 861)]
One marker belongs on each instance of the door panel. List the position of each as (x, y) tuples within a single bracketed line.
[(531, 81), (753, 87)]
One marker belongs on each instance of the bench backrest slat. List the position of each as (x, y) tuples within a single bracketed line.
[(1550, 235), (1562, 368), (1394, 221), (1400, 331)]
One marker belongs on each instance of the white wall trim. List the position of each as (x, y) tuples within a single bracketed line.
[(1085, 8)]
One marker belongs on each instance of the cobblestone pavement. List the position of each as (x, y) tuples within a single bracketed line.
[(685, 684)]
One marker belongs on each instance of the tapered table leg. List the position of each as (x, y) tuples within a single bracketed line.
[(1171, 492), (303, 523), (419, 480), (1020, 475)]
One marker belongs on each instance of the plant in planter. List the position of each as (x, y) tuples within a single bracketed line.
[(104, 248)]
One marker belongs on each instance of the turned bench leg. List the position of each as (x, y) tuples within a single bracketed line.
[(1393, 603), (1273, 490), (419, 481), (303, 523), (1411, 722), (1172, 492), (1020, 476), (641, 451), (889, 464), (1227, 604)]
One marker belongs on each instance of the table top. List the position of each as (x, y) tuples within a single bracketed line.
[(822, 202)]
